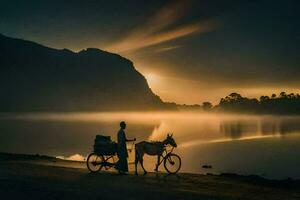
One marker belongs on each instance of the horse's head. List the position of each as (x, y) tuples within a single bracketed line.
[(170, 140)]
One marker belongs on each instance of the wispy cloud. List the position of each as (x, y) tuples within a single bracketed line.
[(168, 48), (157, 29)]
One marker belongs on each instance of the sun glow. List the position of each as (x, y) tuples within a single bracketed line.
[(152, 79)]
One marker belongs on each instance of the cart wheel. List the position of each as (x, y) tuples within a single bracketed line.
[(94, 162), (109, 161), (172, 163)]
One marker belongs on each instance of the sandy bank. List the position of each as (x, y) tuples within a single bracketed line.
[(42, 177)]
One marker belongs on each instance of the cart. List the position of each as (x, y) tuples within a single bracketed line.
[(103, 155)]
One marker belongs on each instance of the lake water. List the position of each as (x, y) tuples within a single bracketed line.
[(268, 146)]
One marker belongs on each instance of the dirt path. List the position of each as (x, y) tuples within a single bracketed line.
[(29, 180)]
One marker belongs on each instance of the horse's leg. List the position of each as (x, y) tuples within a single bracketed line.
[(142, 162), (157, 165), (136, 161)]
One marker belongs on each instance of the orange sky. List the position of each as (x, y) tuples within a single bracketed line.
[(190, 51)]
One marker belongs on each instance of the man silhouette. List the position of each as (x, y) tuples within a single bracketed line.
[(122, 165)]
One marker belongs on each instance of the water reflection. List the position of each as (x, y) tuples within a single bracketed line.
[(269, 127), (66, 131), (217, 139), (288, 126), (261, 126), (232, 129)]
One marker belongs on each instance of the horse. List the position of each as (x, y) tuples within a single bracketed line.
[(152, 148)]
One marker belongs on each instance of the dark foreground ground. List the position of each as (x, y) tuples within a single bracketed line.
[(35, 177)]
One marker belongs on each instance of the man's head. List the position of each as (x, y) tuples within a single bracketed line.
[(122, 125)]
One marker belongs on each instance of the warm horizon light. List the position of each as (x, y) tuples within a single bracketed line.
[(189, 51)]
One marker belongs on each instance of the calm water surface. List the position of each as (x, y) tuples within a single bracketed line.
[(261, 145)]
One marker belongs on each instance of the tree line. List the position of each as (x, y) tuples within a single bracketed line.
[(275, 104)]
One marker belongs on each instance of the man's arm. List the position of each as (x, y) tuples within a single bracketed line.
[(130, 140)]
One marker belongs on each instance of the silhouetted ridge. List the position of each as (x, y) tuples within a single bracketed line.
[(39, 78)]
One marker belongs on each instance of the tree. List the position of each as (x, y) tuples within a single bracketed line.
[(291, 96), (282, 95), (207, 105), (264, 98), (235, 96)]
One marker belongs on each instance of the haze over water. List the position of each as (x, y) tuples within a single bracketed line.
[(244, 144)]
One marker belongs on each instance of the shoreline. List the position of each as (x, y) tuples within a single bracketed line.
[(42, 177), (59, 162)]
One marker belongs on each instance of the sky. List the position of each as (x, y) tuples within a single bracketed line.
[(190, 51)]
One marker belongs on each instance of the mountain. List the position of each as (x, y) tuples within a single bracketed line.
[(38, 78)]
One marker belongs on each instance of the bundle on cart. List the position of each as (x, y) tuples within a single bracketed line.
[(104, 145)]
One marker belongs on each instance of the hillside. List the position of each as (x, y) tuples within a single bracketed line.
[(38, 78)]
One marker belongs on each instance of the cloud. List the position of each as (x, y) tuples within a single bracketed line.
[(157, 29), (168, 48)]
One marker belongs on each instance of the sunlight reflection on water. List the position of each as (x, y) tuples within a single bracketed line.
[(222, 140)]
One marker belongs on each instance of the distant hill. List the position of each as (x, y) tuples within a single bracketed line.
[(38, 78)]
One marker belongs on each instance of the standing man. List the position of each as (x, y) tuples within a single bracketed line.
[(122, 165)]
